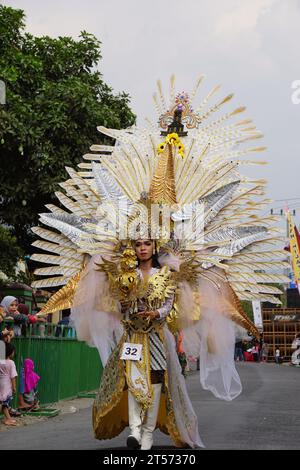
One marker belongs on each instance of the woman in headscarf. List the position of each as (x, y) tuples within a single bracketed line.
[(10, 306)]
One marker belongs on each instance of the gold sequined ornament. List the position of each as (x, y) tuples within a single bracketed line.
[(123, 278)]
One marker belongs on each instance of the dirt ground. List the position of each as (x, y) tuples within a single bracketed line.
[(65, 407)]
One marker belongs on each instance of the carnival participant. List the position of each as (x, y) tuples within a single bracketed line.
[(161, 235)]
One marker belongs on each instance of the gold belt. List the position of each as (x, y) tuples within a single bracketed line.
[(138, 324)]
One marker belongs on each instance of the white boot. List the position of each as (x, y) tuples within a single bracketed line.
[(135, 422), (151, 419)]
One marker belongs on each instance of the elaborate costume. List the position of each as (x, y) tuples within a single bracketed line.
[(178, 184)]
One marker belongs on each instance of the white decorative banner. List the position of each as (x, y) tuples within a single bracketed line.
[(257, 315)]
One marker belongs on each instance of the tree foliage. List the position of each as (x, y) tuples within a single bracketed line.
[(55, 98), (10, 252)]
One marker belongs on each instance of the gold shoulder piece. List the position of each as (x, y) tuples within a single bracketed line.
[(189, 271), (108, 267), (63, 298)]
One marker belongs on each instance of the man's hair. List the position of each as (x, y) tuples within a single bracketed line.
[(155, 262), (9, 349)]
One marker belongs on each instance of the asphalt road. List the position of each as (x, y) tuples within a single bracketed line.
[(265, 416)]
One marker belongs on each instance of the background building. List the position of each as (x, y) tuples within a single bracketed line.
[(280, 325)]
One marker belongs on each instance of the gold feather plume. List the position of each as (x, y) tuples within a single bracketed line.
[(162, 188), (63, 298)]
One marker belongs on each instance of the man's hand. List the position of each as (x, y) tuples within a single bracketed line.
[(150, 315)]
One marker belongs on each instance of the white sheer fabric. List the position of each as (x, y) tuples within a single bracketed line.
[(93, 322), (185, 416), (213, 339), (213, 336)]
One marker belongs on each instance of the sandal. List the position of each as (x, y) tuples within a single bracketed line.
[(35, 408), (25, 408), (15, 413)]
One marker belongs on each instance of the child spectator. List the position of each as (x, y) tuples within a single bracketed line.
[(28, 386), (6, 334), (255, 352), (8, 376), (24, 310)]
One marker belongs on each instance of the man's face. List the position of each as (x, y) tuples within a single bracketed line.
[(144, 249)]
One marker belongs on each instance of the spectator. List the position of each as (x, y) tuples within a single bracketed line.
[(264, 352), (32, 319), (277, 356), (255, 352), (8, 376), (238, 351), (260, 344), (7, 333), (62, 326), (10, 305), (28, 397), (24, 310)]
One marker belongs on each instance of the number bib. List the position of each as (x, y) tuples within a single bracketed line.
[(131, 352)]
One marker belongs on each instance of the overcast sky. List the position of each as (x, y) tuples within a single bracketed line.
[(251, 47)]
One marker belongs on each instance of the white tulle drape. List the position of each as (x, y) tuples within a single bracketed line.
[(96, 318), (213, 336), (185, 416)]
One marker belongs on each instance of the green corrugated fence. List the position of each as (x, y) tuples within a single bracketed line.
[(66, 366)]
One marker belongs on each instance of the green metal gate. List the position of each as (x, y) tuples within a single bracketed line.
[(66, 366)]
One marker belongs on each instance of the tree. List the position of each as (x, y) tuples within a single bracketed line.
[(10, 253), (55, 98), (248, 309)]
